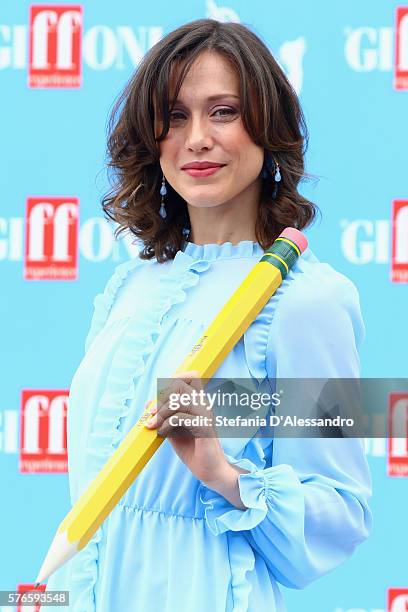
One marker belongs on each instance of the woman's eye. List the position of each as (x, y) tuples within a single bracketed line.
[(228, 111), (175, 115), (223, 112)]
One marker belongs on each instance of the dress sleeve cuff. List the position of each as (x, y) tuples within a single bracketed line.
[(258, 490)]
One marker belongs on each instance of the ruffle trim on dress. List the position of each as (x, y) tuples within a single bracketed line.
[(127, 366), (259, 489), (103, 302), (244, 248), (256, 336), (256, 487)]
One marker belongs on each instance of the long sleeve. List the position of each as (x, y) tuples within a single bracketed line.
[(307, 508)]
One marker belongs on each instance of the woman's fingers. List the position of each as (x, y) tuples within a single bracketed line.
[(182, 404), (153, 409), (182, 423), (183, 382), (168, 409), (191, 377)]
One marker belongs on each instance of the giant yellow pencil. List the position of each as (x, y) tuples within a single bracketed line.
[(121, 469)]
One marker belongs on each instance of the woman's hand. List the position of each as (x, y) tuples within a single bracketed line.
[(197, 445)]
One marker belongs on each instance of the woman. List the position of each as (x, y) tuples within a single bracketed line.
[(207, 146)]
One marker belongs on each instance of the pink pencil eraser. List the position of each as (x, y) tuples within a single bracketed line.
[(295, 236)]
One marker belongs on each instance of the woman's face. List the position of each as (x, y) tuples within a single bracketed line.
[(206, 126)]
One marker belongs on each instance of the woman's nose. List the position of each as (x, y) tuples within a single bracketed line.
[(198, 134)]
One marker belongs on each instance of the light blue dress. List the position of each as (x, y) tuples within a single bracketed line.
[(172, 544)]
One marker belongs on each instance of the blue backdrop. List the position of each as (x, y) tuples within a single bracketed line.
[(61, 67)]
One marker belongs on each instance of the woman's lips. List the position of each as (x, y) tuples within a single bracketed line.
[(203, 171)]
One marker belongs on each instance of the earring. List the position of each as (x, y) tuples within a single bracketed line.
[(163, 192), (271, 166), (277, 178)]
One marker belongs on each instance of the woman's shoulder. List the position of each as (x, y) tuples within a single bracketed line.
[(316, 298), (317, 325), (315, 285)]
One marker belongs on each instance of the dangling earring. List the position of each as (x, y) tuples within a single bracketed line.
[(271, 166), (277, 177), (163, 192)]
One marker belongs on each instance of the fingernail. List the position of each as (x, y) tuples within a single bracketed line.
[(154, 410), (152, 422)]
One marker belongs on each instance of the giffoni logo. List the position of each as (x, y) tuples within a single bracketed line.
[(59, 46), (367, 241), (401, 49), (55, 46), (398, 434), (397, 600), (43, 429), (51, 238), (368, 48)]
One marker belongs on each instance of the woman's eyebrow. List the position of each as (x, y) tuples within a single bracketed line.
[(211, 98)]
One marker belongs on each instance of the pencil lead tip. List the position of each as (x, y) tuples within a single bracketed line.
[(37, 584)]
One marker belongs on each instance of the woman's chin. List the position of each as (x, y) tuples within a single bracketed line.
[(205, 200)]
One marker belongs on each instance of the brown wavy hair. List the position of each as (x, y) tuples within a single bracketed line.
[(271, 114)]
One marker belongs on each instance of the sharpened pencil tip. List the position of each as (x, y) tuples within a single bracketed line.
[(37, 584)]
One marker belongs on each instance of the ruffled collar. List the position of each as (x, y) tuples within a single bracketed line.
[(244, 248)]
